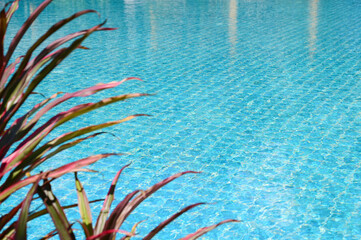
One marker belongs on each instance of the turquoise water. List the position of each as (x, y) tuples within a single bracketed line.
[(263, 97)]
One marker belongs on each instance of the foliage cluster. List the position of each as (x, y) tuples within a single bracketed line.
[(24, 145)]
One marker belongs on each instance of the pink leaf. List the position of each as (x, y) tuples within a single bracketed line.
[(107, 232), (204, 230)]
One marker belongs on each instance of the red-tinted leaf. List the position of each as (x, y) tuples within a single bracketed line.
[(50, 32), (8, 235), (17, 130), (50, 235), (203, 231), (104, 212), (55, 211), (14, 6), (3, 26), (21, 226), (57, 43), (35, 159), (20, 170), (78, 165), (134, 229), (85, 228), (68, 136), (39, 214), (9, 90), (84, 208), (5, 219), (71, 167), (32, 141), (7, 72), (13, 94), (19, 35), (77, 111), (33, 66), (34, 215), (108, 232), (81, 93), (111, 221), (56, 61), (19, 155), (16, 186), (119, 215), (60, 149), (169, 220)]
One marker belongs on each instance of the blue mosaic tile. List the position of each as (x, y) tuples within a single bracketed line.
[(263, 97)]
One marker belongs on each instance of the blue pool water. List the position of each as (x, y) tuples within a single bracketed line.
[(263, 97)]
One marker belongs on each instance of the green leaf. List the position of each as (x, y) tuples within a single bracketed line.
[(7, 72), (104, 212), (49, 235), (24, 130), (14, 6), (84, 207), (6, 218), (21, 226), (19, 35), (134, 228), (36, 158), (9, 94), (56, 173), (35, 215), (53, 29), (18, 129), (44, 211), (56, 212), (20, 171), (32, 141)]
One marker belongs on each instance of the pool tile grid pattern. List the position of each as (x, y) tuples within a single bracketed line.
[(268, 110)]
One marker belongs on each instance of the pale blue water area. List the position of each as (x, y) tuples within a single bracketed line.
[(263, 97)]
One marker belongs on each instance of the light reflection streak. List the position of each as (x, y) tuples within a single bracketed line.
[(232, 26), (312, 28)]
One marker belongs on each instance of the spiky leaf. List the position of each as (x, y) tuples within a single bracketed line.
[(21, 226), (84, 207), (56, 212), (204, 230), (104, 212), (169, 220)]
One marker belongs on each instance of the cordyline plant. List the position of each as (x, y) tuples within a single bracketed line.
[(22, 148)]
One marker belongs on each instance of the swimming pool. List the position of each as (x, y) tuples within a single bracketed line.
[(263, 97)]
